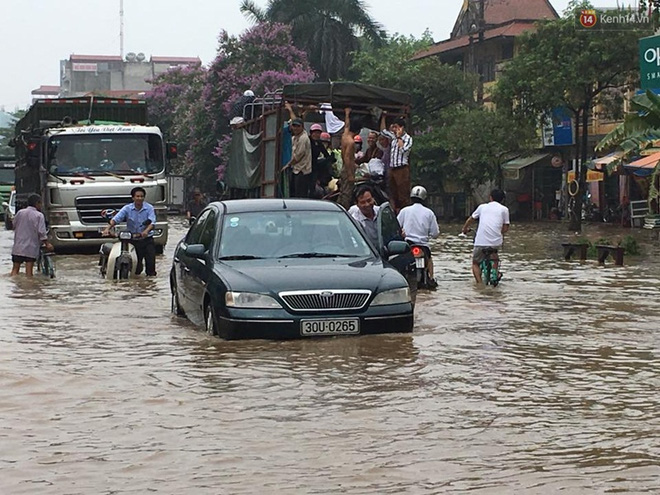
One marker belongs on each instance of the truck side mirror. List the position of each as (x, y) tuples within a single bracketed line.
[(32, 148), (171, 151)]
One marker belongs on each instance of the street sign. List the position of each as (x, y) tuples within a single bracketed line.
[(557, 129), (649, 62)]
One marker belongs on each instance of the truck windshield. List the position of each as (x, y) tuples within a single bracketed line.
[(105, 154), (6, 175)]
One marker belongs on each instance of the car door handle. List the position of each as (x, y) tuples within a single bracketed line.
[(186, 269), (176, 259)]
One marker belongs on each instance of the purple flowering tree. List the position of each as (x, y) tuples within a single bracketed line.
[(262, 59), (175, 106), (192, 104)]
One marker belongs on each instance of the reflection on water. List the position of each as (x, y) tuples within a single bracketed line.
[(546, 383)]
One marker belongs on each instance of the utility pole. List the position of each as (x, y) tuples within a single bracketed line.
[(121, 29)]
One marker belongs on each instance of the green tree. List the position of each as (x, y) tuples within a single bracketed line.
[(479, 140), (328, 31), (432, 85), (640, 127), (455, 139), (562, 65), (7, 133)]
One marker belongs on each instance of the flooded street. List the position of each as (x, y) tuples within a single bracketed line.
[(548, 382)]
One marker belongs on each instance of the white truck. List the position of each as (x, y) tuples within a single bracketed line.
[(83, 156)]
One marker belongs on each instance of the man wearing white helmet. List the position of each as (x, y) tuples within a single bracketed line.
[(419, 224)]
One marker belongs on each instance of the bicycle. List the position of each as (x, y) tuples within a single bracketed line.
[(46, 263), (490, 272)]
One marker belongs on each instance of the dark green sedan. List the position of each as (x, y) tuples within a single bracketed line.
[(291, 268)]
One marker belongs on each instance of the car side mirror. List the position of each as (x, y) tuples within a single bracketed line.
[(5, 204), (396, 247), (196, 250)]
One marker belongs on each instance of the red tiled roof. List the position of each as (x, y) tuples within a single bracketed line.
[(95, 58), (176, 60), (46, 90), (500, 11), (515, 28)]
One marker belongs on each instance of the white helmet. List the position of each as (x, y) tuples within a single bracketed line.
[(418, 192)]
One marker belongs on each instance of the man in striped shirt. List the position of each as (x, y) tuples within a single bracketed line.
[(399, 170)]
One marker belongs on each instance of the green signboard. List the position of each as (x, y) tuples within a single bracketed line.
[(649, 62)]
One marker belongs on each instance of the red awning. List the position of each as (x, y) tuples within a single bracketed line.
[(647, 162)]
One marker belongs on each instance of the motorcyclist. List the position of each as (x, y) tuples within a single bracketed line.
[(419, 224), (140, 220)]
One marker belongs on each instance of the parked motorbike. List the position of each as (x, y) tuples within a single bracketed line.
[(422, 255), (118, 260)]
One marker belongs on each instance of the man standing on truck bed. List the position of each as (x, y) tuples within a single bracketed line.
[(301, 156), (399, 171), (140, 219)]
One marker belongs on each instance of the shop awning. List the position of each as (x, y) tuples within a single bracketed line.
[(523, 161), (512, 168), (646, 162), (602, 162)]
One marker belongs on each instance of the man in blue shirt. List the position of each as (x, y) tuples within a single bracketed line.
[(140, 220)]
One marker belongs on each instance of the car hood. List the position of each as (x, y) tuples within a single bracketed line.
[(309, 274)]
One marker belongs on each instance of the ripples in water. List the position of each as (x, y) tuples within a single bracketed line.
[(547, 383)]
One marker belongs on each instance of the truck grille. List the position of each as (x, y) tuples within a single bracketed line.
[(334, 300), (90, 208)]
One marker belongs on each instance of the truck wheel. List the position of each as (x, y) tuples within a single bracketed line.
[(159, 248), (8, 223)]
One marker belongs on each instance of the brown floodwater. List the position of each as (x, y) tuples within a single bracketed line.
[(547, 383)]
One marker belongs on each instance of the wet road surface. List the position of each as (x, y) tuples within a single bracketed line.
[(549, 382)]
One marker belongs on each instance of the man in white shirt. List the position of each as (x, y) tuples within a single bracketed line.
[(419, 225), (494, 222), (365, 212)]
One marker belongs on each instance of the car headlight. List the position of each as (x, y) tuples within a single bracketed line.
[(250, 300), (393, 296)]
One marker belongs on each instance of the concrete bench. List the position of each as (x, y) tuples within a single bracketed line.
[(605, 251), (571, 249)]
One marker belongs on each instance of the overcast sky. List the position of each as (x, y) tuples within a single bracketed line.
[(37, 34)]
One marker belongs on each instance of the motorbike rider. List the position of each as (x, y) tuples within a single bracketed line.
[(140, 220), (419, 224), (493, 218), (195, 205), (365, 212)]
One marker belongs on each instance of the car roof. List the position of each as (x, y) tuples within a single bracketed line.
[(274, 204)]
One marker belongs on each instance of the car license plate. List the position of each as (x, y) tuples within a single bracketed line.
[(343, 326), (419, 262)]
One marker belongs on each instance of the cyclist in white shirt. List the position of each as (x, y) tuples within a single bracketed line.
[(494, 222), (419, 225)]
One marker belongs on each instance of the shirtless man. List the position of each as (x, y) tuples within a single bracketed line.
[(347, 176)]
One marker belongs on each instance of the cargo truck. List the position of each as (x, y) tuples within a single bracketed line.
[(83, 156)]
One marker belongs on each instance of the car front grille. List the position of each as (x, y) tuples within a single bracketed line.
[(332, 300), (90, 208)]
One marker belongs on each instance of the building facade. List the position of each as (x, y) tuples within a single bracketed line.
[(110, 74)]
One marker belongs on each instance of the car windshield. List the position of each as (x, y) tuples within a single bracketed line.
[(291, 234), (105, 154)]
